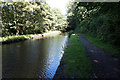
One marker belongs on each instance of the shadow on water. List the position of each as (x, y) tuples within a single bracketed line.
[(37, 58)]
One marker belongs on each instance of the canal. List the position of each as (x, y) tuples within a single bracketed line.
[(36, 58)]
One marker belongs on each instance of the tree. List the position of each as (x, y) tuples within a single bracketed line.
[(21, 18), (96, 18)]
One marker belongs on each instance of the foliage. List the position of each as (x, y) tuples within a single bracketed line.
[(20, 18), (98, 19)]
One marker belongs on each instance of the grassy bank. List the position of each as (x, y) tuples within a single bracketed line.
[(77, 63), (105, 46), (10, 38), (29, 36)]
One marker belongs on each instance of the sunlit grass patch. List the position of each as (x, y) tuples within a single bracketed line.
[(77, 63), (0, 38), (73, 34), (28, 36), (15, 37)]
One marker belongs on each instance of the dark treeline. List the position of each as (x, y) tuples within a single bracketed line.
[(99, 19), (20, 18)]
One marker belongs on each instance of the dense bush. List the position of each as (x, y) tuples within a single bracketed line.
[(98, 19)]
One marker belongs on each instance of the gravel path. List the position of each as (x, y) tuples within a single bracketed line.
[(104, 64)]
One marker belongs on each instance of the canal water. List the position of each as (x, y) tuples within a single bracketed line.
[(36, 58)]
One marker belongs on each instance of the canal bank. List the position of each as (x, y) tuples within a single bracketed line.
[(75, 62), (11, 39), (84, 60)]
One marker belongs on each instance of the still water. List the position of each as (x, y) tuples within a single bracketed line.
[(37, 58)]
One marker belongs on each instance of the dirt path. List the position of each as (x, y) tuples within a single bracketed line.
[(104, 64)]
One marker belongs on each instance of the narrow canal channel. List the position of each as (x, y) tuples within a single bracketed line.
[(37, 58)]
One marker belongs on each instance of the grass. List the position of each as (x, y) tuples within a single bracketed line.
[(77, 63), (105, 46), (10, 38)]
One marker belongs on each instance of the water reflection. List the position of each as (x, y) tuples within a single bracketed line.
[(33, 58)]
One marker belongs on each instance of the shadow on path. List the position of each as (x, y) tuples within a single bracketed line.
[(104, 64)]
